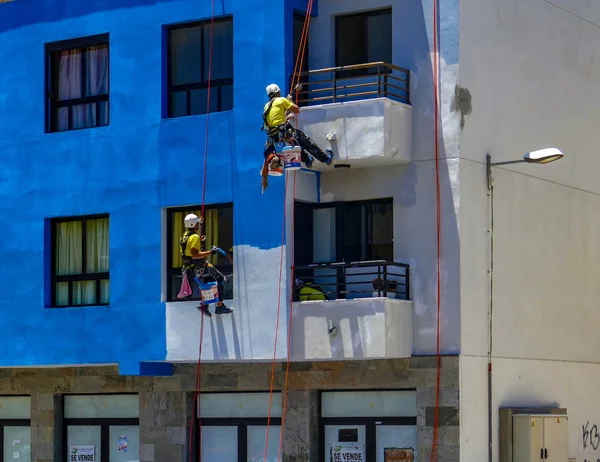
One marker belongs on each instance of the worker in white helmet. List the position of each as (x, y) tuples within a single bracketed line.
[(275, 122), (195, 264)]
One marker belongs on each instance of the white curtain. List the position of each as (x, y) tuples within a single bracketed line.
[(69, 87), (97, 83), (70, 84), (69, 260)]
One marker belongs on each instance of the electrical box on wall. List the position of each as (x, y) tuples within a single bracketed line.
[(540, 437), (528, 435)]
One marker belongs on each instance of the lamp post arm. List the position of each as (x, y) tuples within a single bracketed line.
[(489, 164)]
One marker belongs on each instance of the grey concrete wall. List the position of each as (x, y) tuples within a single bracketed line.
[(166, 402), (530, 70)]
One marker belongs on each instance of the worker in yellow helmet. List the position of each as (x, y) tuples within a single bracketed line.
[(275, 122), (309, 292), (195, 264)]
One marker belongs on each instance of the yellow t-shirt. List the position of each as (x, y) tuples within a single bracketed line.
[(193, 242), (277, 113)]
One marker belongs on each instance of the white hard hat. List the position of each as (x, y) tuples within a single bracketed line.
[(273, 88), (191, 220)]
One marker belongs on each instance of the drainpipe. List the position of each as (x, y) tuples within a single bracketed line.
[(491, 306)]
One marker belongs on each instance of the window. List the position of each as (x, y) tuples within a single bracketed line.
[(372, 425), (80, 261), (15, 444), (218, 229), (234, 426), (363, 38), (344, 232), (77, 83), (105, 426), (298, 26), (338, 255), (188, 61)]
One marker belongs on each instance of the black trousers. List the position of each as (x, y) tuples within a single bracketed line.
[(287, 132)]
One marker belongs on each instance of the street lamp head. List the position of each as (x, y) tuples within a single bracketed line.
[(543, 156)]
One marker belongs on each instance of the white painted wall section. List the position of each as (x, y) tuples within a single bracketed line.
[(366, 328), (249, 332), (367, 133), (412, 188)]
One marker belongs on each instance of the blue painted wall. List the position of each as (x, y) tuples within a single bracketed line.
[(142, 162), (131, 169)]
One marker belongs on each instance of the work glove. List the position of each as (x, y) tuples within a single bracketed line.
[(215, 249)]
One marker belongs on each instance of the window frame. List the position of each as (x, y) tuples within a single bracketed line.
[(242, 424), (103, 422), (365, 16), (229, 268), (53, 49), (11, 423), (370, 423), (339, 207), (70, 278), (189, 87)]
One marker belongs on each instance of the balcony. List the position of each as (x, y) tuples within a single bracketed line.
[(356, 310), (362, 112)]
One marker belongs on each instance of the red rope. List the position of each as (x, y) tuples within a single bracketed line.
[(295, 80), (199, 365), (438, 227)]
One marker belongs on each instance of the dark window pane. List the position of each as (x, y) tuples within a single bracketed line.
[(199, 98), (69, 74), (350, 40), (379, 38), (226, 97), (353, 226), (222, 50), (96, 70), (178, 103), (380, 232), (186, 55)]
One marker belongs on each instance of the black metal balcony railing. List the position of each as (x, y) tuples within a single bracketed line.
[(356, 280), (358, 81)]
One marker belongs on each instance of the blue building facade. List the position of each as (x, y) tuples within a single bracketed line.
[(136, 161), (106, 145)]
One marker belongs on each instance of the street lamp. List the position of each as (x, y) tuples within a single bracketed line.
[(542, 156)]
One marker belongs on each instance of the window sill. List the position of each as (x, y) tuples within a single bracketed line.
[(107, 305), (49, 132), (166, 118)]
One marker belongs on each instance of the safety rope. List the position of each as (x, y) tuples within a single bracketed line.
[(436, 59), (295, 81), (199, 365)]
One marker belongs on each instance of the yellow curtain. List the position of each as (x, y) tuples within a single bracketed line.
[(211, 228), (212, 233), (69, 260)]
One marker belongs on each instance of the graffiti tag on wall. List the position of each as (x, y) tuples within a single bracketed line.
[(590, 440)]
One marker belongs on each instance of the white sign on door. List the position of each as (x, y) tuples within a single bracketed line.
[(348, 452), (85, 453)]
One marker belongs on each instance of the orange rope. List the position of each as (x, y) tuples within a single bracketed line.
[(199, 365), (295, 80), (438, 226)]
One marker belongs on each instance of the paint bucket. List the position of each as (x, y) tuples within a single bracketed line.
[(276, 167), (210, 292), (291, 156)]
